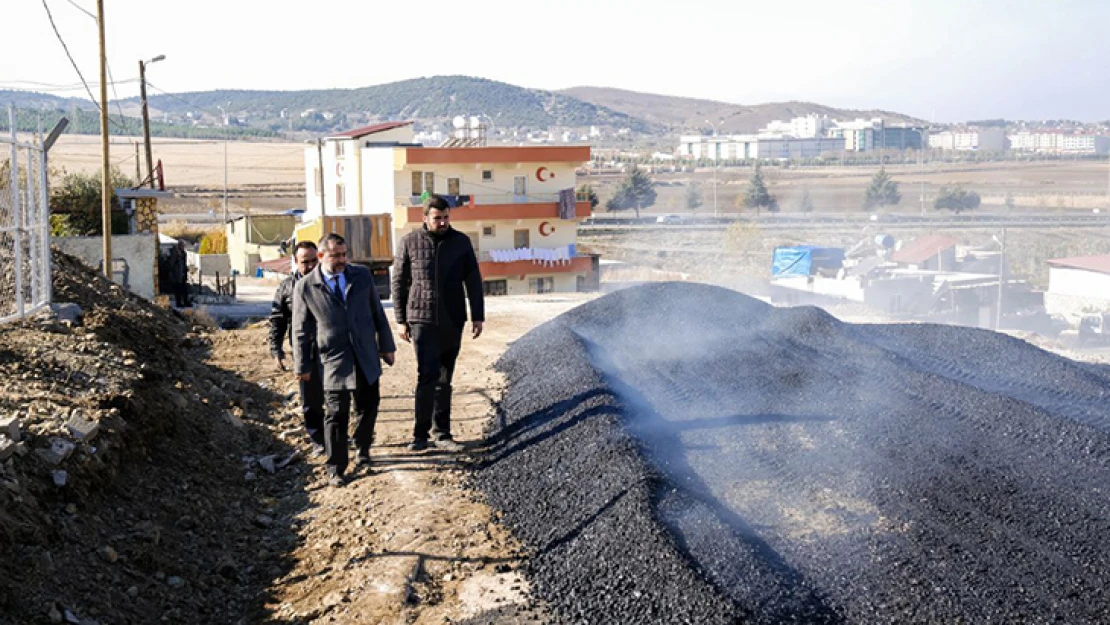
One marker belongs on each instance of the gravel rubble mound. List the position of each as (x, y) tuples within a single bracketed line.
[(683, 453)]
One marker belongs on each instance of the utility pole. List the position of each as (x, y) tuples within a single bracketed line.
[(225, 181), (1001, 272), (320, 178), (716, 157), (146, 115), (105, 163)]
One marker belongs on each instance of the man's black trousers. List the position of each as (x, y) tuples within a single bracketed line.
[(364, 400), (437, 349)]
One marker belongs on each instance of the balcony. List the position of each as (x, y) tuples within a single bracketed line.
[(493, 206), (502, 268)]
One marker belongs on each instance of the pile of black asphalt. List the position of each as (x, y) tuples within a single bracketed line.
[(680, 453)]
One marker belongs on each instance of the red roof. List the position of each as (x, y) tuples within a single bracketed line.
[(358, 133), (1100, 264), (922, 249), (277, 265)]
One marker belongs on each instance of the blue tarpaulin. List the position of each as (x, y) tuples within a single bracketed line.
[(805, 260)]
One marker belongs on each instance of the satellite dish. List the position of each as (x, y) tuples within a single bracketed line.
[(459, 121)]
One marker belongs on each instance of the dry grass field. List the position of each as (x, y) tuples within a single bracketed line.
[(260, 175), (1055, 185)]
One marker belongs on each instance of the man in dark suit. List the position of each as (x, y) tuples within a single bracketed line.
[(337, 308), (281, 314), (434, 274)]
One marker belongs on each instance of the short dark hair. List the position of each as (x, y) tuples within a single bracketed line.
[(331, 240), (437, 202), (304, 245)]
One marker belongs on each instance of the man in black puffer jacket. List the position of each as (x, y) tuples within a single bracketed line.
[(432, 267), (281, 313)]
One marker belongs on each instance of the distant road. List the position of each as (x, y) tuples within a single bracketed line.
[(198, 218), (599, 225)]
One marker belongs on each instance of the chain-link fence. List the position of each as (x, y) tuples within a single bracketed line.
[(24, 229)]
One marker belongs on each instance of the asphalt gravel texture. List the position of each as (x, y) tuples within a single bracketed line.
[(681, 453)]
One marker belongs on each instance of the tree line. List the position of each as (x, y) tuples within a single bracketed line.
[(636, 192)]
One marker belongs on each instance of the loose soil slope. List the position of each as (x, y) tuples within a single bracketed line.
[(164, 515)]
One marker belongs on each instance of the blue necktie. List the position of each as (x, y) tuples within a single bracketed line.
[(338, 291)]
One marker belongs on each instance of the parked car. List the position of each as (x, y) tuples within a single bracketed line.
[(296, 212), (669, 219), (1094, 328)]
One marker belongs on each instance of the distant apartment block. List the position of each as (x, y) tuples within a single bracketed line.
[(807, 127), (901, 138), (741, 147), (804, 137), (1060, 143), (987, 139)]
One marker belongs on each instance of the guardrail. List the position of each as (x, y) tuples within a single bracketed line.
[(842, 221), (492, 198)]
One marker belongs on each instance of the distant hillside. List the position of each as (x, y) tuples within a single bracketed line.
[(690, 114), (434, 100), (31, 100)]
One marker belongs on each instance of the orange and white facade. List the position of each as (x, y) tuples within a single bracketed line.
[(508, 199)]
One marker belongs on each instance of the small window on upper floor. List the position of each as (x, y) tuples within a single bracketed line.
[(487, 175), (340, 149)]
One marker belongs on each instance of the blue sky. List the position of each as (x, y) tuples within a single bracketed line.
[(943, 60)]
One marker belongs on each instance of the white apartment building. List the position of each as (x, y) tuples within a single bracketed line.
[(992, 139), (859, 135), (1060, 143), (808, 127), (741, 147)]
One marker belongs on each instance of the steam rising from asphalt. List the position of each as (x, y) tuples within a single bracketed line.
[(828, 470)]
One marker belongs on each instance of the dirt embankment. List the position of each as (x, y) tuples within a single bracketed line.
[(135, 494)]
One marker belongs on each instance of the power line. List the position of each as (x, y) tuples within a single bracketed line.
[(82, 9), (119, 107), (181, 100), (68, 55), (12, 85)]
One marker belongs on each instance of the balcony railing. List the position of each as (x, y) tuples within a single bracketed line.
[(563, 253), (491, 199)]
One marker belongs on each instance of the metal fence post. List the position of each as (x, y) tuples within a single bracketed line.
[(17, 223)]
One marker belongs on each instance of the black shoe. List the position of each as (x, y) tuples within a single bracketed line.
[(418, 444), (448, 444)]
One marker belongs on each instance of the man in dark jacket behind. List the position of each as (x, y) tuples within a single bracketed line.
[(281, 315), (432, 267)]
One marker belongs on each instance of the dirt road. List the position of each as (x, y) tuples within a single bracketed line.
[(408, 543)]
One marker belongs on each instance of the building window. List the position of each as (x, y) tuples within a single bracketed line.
[(495, 287), (340, 149), (520, 239), (487, 175), (539, 286), (317, 181), (520, 185), (340, 196), (417, 182), (452, 186), (430, 182), (489, 231)]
